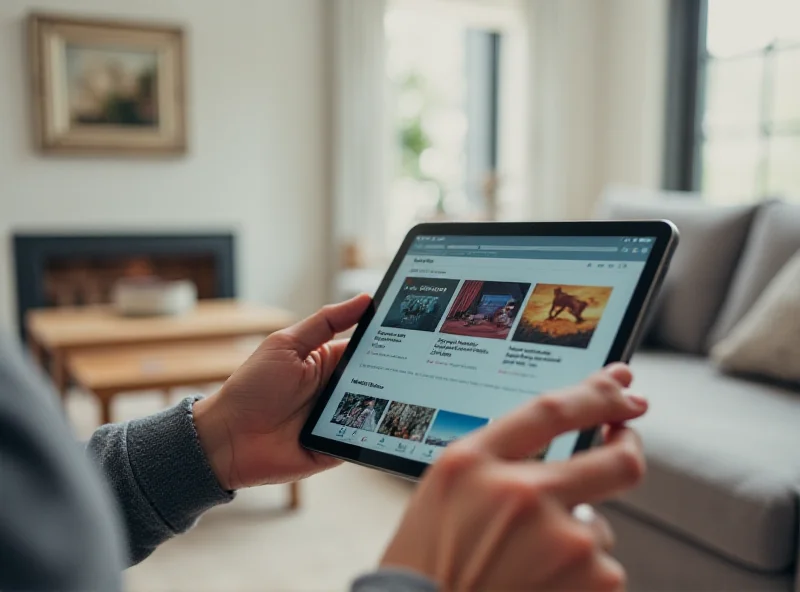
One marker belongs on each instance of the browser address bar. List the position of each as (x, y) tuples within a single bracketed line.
[(540, 248)]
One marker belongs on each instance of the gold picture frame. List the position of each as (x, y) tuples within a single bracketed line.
[(107, 87)]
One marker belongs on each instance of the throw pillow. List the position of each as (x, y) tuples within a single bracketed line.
[(767, 339), (774, 238)]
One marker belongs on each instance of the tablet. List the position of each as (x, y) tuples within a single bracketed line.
[(474, 319)]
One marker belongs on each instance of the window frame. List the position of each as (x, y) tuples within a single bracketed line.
[(482, 109), (688, 61), (687, 26)]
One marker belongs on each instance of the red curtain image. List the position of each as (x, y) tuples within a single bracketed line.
[(466, 297)]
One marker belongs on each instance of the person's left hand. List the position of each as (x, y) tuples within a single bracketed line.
[(250, 428)]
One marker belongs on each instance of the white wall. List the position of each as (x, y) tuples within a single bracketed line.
[(598, 85), (632, 71), (564, 117), (258, 127)]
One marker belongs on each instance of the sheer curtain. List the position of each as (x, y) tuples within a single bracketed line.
[(359, 137)]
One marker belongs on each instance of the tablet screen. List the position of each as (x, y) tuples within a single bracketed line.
[(471, 327)]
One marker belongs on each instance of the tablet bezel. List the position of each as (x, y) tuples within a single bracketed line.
[(666, 235)]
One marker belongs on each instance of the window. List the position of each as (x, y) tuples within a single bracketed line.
[(745, 127), (456, 112)]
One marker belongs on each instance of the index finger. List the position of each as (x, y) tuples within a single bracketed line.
[(597, 400)]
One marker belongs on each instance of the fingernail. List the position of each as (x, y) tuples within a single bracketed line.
[(637, 402)]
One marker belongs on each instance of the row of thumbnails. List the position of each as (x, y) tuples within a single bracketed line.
[(562, 315), (403, 420), (416, 423)]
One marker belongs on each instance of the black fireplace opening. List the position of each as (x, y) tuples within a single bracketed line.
[(79, 270)]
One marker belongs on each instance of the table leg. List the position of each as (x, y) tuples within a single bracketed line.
[(294, 495), (58, 372), (105, 408), (37, 353)]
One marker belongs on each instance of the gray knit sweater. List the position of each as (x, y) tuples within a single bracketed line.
[(62, 524)]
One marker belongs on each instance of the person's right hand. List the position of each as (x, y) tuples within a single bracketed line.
[(484, 517)]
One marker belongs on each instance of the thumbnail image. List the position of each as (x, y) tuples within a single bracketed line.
[(420, 304), (485, 309), (449, 427), (406, 421), (359, 411), (562, 315)]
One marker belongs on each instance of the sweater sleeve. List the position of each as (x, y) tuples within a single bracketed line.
[(158, 474), (393, 580)]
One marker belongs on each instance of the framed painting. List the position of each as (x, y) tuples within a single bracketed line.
[(106, 86)]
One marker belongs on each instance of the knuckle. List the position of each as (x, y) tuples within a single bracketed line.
[(521, 497), (632, 465), (605, 385), (581, 545), (553, 408), (455, 461)]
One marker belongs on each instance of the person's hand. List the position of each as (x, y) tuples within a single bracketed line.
[(250, 429), (484, 517)]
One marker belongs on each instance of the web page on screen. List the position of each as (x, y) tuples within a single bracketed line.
[(472, 327)]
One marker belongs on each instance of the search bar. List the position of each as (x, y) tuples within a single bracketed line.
[(541, 248)]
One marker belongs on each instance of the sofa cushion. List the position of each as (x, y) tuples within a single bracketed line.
[(766, 340), (723, 466), (774, 238), (712, 238), (656, 560)]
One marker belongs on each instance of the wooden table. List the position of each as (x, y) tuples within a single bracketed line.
[(107, 373), (108, 354), (57, 332)]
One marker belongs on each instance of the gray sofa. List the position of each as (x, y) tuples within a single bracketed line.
[(718, 509)]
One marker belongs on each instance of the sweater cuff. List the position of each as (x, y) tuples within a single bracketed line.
[(171, 468), (394, 580)]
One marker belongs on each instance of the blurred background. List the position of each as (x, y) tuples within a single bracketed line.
[(317, 133)]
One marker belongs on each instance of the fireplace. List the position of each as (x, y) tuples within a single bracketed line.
[(78, 270)]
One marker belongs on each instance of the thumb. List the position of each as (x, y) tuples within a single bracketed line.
[(320, 327), (332, 360)]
